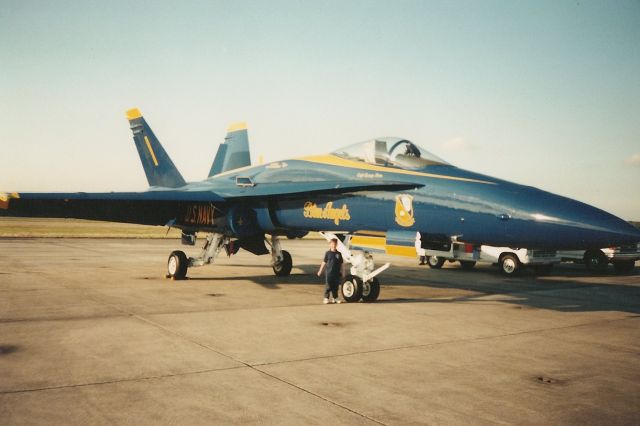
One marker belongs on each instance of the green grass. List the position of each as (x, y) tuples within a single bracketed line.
[(76, 228)]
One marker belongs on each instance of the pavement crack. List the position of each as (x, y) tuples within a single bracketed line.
[(109, 382), (300, 388), (254, 368)]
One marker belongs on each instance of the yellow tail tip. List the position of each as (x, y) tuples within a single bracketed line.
[(234, 127), (133, 113)]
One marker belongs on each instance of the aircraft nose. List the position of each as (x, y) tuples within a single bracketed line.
[(571, 224)]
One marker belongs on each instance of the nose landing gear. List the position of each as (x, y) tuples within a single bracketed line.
[(362, 283)]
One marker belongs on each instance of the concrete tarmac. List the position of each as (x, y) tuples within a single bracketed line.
[(92, 333)]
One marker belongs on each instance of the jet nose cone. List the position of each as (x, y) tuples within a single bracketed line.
[(576, 225)]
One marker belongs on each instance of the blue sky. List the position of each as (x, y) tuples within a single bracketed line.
[(544, 93)]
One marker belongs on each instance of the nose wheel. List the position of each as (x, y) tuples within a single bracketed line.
[(371, 290), (354, 289)]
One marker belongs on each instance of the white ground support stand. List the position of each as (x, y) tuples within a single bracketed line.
[(362, 283)]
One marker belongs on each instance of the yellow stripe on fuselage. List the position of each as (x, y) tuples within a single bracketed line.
[(373, 242), (153, 154), (407, 251), (334, 160)]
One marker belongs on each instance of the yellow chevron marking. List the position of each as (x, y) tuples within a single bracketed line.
[(153, 154), (234, 127), (407, 251), (334, 160), (133, 113)]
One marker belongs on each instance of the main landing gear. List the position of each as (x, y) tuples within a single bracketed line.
[(362, 283), (281, 261), (178, 262)]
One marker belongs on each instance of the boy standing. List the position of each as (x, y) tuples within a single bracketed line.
[(334, 270)]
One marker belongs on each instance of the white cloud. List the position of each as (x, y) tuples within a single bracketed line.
[(633, 160), (458, 144)]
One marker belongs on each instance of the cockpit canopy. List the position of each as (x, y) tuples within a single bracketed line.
[(394, 152)]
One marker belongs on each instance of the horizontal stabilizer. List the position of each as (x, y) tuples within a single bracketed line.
[(157, 165)]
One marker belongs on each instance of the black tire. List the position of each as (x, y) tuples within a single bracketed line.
[(371, 290), (625, 267), (435, 262), (467, 265), (509, 264), (595, 261), (543, 269), (177, 265), (351, 289), (283, 268)]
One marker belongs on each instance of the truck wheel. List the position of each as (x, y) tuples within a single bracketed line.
[(467, 265), (595, 260), (435, 262), (624, 267), (509, 264), (351, 289)]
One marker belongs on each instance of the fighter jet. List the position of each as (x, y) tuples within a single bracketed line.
[(378, 194)]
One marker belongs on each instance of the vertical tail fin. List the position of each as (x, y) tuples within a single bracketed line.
[(233, 153), (158, 167)]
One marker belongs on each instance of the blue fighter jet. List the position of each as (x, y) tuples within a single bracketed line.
[(378, 194)]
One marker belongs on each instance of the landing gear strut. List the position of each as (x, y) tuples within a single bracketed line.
[(281, 261), (362, 283), (178, 262)]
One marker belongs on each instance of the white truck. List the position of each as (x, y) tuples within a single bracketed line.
[(623, 258), (510, 261)]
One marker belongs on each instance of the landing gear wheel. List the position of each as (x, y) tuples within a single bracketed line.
[(509, 264), (624, 267), (371, 290), (435, 262), (351, 289), (595, 261), (467, 265), (177, 265), (283, 268)]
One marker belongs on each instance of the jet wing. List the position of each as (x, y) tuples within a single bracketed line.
[(156, 207), (161, 206)]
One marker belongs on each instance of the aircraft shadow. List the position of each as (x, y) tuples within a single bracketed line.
[(570, 288)]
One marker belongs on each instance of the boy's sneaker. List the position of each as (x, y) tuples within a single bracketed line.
[(336, 301), (325, 301)]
